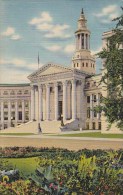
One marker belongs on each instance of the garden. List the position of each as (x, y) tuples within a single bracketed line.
[(54, 171)]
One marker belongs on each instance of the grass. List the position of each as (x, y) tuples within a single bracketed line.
[(17, 134), (26, 166), (94, 135)]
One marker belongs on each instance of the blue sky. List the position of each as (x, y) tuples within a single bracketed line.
[(47, 26)]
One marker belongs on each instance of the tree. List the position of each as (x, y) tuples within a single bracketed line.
[(112, 105)]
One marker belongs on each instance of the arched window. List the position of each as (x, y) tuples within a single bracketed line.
[(83, 64), (86, 64)]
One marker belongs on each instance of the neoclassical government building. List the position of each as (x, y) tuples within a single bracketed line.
[(54, 91)]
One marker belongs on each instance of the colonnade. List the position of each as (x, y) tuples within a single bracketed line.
[(9, 109), (56, 100), (82, 41)]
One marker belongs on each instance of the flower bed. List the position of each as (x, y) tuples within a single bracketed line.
[(64, 172)]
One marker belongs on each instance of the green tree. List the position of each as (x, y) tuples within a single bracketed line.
[(112, 56)]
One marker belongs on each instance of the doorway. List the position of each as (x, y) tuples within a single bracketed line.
[(60, 109)]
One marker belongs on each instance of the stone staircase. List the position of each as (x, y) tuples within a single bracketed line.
[(32, 127), (46, 127)]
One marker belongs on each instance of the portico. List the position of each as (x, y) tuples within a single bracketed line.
[(57, 93)]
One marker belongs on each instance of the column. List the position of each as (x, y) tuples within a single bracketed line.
[(29, 110), (98, 103), (32, 103), (76, 42), (23, 111), (56, 100), (47, 102), (91, 105), (16, 112), (2, 115), (64, 100), (80, 43), (40, 103), (9, 114), (84, 41), (88, 42), (73, 99)]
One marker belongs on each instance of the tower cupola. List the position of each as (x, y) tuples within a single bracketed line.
[(82, 58)]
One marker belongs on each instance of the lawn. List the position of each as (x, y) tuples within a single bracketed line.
[(26, 166), (94, 135)]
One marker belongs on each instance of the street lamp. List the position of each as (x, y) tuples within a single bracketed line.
[(11, 122)]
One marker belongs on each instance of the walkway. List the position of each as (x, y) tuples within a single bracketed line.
[(71, 143)]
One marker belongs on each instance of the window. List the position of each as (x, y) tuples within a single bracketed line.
[(13, 115), (51, 89), (93, 65), (88, 99), (20, 104), (27, 116), (5, 116), (88, 85), (12, 105), (87, 125), (74, 65), (93, 125), (77, 64), (86, 64), (19, 115), (5, 105), (94, 83), (59, 88), (5, 126), (5, 93), (26, 92), (95, 98), (83, 64), (19, 92), (99, 125), (12, 93), (95, 113), (88, 112), (26, 104)]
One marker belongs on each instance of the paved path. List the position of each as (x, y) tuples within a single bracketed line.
[(61, 142)]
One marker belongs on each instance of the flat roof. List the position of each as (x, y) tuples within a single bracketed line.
[(15, 85)]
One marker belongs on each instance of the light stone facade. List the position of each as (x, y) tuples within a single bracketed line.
[(55, 91)]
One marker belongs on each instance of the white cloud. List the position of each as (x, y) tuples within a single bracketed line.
[(10, 32), (54, 48), (69, 48), (45, 23), (18, 69), (107, 14), (44, 17), (16, 37)]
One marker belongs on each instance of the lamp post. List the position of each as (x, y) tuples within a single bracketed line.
[(11, 122), (39, 127)]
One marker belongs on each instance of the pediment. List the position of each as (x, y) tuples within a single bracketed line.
[(49, 69)]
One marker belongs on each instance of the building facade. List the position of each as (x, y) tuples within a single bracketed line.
[(55, 91)]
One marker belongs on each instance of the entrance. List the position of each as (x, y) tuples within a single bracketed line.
[(60, 108)]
